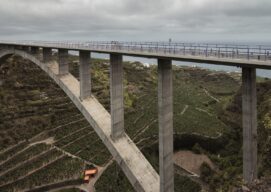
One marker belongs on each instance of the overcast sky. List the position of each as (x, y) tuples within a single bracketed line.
[(181, 20)]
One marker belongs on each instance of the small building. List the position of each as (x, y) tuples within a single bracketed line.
[(89, 173)]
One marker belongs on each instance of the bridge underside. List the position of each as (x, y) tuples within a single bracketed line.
[(135, 166)]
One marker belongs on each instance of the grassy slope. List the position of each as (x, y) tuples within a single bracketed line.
[(32, 104)]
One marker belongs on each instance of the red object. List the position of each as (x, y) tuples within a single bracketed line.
[(89, 173)]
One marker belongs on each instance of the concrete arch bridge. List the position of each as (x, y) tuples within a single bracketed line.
[(110, 127)]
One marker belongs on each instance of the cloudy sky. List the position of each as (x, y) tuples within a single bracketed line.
[(181, 20)]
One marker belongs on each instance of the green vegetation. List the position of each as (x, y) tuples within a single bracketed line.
[(62, 169), (13, 150), (183, 183), (69, 190), (24, 156), (114, 180), (207, 119)]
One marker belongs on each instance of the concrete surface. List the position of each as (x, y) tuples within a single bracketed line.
[(249, 113), (47, 54), (116, 96), (34, 50), (165, 120), (63, 62), (84, 71), (188, 58)]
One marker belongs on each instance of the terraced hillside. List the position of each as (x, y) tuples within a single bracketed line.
[(45, 141), (44, 138)]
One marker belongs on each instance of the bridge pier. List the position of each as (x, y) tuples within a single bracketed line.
[(25, 48), (85, 77), (4, 47), (249, 112), (165, 120), (18, 47), (46, 54), (116, 96), (63, 65), (34, 50)]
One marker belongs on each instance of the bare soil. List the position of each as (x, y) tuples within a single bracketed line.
[(191, 162)]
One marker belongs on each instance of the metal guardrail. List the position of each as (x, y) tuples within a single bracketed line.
[(259, 52)]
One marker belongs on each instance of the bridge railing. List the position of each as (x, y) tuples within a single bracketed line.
[(230, 51)]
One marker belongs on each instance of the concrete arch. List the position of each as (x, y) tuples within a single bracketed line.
[(133, 163)]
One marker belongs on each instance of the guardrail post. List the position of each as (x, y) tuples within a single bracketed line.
[(249, 113), (85, 77), (165, 118), (116, 96), (46, 54), (63, 65)]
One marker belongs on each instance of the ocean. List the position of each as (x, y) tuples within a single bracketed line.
[(146, 61)]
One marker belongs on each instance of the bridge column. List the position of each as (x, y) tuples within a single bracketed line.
[(25, 48), (116, 96), (165, 120), (34, 50), (47, 54), (18, 47), (63, 67), (85, 80), (249, 112)]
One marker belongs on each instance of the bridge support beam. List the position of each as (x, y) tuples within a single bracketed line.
[(34, 50), (116, 96), (85, 78), (165, 117), (4, 46), (249, 112), (18, 47), (46, 54), (63, 67), (25, 48)]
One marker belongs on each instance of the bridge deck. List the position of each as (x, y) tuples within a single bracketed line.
[(236, 57)]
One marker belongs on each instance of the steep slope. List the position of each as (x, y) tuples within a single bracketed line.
[(45, 140)]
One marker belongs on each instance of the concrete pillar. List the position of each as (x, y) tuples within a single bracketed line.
[(249, 112), (63, 65), (85, 78), (34, 50), (116, 96), (19, 47), (47, 54), (11, 46), (165, 120), (25, 48), (2, 46)]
